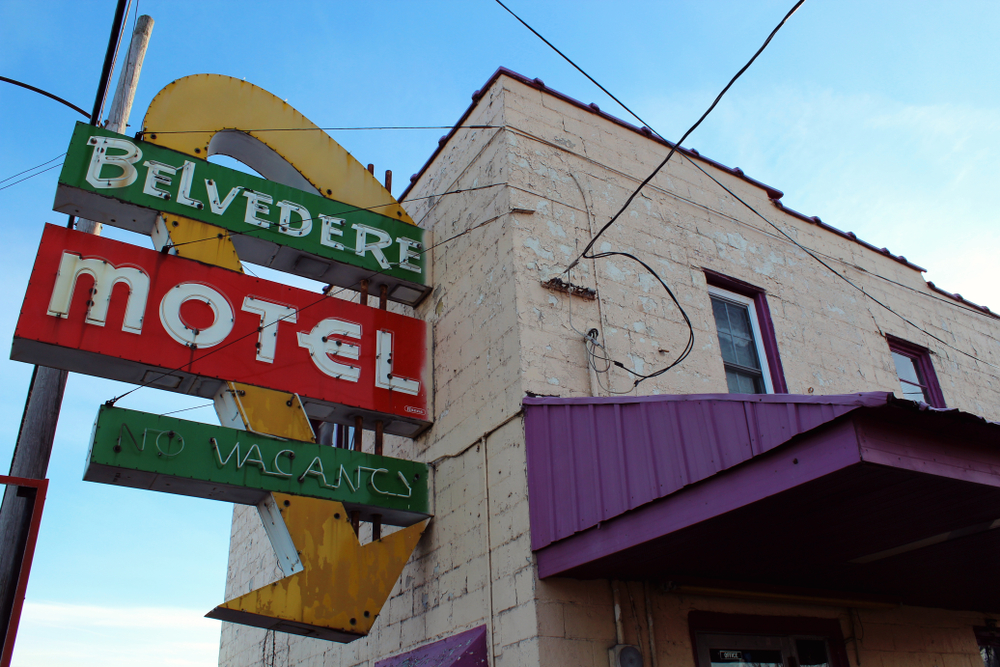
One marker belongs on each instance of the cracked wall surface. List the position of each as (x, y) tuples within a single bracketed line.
[(557, 173)]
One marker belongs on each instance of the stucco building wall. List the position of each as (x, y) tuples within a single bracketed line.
[(533, 189)]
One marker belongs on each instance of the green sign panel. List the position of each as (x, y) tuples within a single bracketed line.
[(125, 182), (147, 451)]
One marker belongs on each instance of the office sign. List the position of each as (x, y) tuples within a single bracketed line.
[(162, 453), (126, 183), (110, 309)]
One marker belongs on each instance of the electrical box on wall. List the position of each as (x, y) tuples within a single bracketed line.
[(625, 655)]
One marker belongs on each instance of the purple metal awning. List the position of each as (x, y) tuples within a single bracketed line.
[(466, 649), (860, 494)]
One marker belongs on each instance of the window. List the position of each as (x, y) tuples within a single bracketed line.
[(915, 372), (746, 337), (732, 640)]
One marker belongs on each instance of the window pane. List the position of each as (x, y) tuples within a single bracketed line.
[(733, 382), (727, 348), (739, 320), (743, 383), (721, 317), (906, 369), (732, 321), (746, 353)]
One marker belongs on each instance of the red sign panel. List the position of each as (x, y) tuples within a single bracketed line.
[(114, 310)]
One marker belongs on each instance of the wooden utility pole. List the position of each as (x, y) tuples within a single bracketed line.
[(121, 104), (45, 393)]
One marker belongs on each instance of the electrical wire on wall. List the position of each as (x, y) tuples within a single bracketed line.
[(673, 149), (586, 254)]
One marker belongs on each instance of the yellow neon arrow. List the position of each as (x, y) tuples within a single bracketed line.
[(272, 412), (344, 584), (208, 114), (196, 240)]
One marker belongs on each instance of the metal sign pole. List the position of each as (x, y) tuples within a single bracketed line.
[(32, 491)]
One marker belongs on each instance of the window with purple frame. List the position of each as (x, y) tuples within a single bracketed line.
[(746, 336), (915, 372)]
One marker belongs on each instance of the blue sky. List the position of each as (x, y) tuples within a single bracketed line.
[(881, 118)]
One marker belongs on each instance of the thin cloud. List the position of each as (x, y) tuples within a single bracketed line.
[(57, 634)]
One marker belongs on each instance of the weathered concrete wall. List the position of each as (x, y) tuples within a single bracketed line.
[(578, 627), (574, 169), (561, 172)]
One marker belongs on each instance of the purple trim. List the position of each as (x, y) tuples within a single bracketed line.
[(847, 235), (961, 299), (466, 649), (868, 399), (769, 340), (922, 356), (782, 626)]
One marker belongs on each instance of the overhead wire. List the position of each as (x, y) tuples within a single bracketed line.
[(255, 330), (328, 293), (37, 166), (196, 407), (838, 273), (45, 93), (26, 178), (577, 67), (674, 147), (689, 345), (944, 299), (333, 129), (353, 209), (110, 59)]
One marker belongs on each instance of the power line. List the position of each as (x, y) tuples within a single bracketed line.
[(949, 299), (110, 58), (39, 166), (689, 346), (577, 67), (334, 129), (196, 407), (326, 295), (837, 273), (253, 331), (37, 173), (251, 232), (45, 93), (674, 147)]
